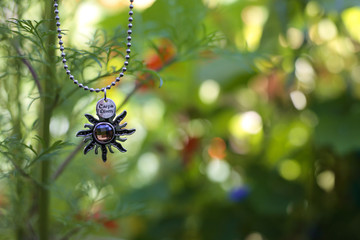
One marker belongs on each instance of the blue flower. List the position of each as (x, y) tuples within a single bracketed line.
[(238, 194)]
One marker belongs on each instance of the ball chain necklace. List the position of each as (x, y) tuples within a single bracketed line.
[(106, 131)]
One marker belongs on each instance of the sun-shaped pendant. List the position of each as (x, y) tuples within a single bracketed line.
[(106, 131)]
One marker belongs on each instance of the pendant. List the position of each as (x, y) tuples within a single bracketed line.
[(107, 131)]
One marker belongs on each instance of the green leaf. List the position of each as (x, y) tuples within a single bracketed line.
[(338, 126), (156, 74)]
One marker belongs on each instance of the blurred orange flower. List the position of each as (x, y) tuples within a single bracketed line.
[(217, 148)]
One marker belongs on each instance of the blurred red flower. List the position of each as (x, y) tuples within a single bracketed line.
[(162, 54), (190, 148), (100, 218)]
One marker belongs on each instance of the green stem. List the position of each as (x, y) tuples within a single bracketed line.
[(19, 209), (15, 109), (46, 112)]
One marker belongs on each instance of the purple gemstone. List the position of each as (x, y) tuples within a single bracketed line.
[(104, 132)]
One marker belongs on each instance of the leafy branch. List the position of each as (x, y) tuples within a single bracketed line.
[(31, 69), (6, 150)]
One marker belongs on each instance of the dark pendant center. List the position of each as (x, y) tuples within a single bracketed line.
[(104, 132)]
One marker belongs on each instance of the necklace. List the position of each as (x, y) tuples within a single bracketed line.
[(106, 131)]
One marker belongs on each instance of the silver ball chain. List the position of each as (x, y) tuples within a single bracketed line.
[(62, 49)]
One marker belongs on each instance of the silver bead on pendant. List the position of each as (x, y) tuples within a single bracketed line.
[(107, 131)]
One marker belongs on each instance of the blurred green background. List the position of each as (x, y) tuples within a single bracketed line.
[(254, 133)]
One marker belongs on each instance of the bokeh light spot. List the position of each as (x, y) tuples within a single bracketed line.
[(326, 180), (6, 167), (305, 72), (113, 4), (143, 4), (246, 123), (298, 99), (295, 38), (153, 112), (251, 122), (290, 169), (255, 15), (247, 98), (312, 9), (209, 91), (218, 170), (88, 14), (254, 18), (351, 18), (59, 125), (334, 64), (298, 136), (215, 3), (327, 30), (254, 236), (148, 165)]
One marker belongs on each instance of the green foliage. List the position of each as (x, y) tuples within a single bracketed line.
[(253, 133)]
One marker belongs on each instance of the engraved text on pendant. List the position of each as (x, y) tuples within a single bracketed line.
[(105, 109)]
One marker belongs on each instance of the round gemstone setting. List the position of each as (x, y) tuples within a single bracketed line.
[(104, 132)]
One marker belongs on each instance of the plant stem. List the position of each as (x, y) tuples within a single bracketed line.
[(62, 167), (46, 112), (31, 69), (18, 157)]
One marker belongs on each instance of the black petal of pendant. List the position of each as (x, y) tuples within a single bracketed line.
[(106, 131)]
